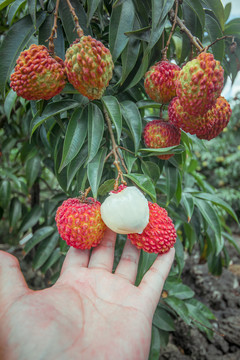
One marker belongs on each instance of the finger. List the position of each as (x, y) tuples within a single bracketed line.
[(154, 279), (75, 258), (103, 255), (12, 282), (128, 264)]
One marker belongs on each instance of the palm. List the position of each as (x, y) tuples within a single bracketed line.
[(89, 313)]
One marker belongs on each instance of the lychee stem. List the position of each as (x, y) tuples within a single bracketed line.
[(54, 30), (219, 39), (115, 152), (75, 18), (164, 51), (195, 41)]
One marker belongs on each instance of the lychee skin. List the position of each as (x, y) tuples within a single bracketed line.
[(160, 81), (89, 67), (206, 126), (80, 223), (199, 84), (220, 115), (159, 236), (38, 75), (160, 134)]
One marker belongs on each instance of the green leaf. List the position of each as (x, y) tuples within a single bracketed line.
[(129, 159), (129, 58), (162, 320), (171, 181), (37, 237), (92, 7), (9, 102), (151, 169), (75, 136), (179, 255), (5, 193), (113, 108), (212, 220), (233, 27), (196, 6), (95, 130), (227, 11), (178, 149), (62, 176), (159, 17), (45, 250), (140, 71), (179, 307), (217, 8), (5, 3), (215, 32), (53, 258), (219, 202), (31, 218), (200, 315), (13, 43), (181, 291), (52, 109), (14, 8), (106, 187), (155, 348), (145, 262), (95, 169), (76, 163), (32, 8), (144, 183), (15, 212), (33, 167), (121, 21), (188, 203), (8, 173), (133, 119)]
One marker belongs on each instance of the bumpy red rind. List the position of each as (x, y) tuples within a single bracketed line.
[(80, 223), (38, 75), (160, 134), (159, 236)]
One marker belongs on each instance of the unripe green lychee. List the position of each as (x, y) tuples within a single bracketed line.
[(159, 235), (38, 75), (125, 210), (199, 84), (160, 134), (205, 126), (160, 81), (89, 67), (79, 223)]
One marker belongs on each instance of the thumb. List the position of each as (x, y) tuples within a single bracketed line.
[(12, 282)]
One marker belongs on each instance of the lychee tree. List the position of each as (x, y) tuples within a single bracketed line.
[(69, 144)]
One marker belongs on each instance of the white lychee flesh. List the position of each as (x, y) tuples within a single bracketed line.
[(126, 212)]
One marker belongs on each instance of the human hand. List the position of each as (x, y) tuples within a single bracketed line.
[(90, 313)]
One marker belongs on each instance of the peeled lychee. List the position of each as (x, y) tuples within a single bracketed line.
[(160, 134), (79, 223), (205, 126), (159, 236), (37, 74), (125, 211), (160, 81), (199, 84), (89, 67)]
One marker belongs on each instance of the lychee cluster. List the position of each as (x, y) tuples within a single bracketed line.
[(198, 108), (88, 66)]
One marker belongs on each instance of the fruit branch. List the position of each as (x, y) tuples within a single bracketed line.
[(194, 40), (115, 152), (219, 39), (164, 51), (75, 18), (54, 30)]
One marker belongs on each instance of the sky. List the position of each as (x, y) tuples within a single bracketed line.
[(230, 90)]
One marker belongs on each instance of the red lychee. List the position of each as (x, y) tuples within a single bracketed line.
[(159, 235), (160, 81), (37, 74), (79, 223), (199, 84), (160, 134), (89, 67)]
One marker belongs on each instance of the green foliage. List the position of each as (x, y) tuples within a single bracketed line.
[(51, 150)]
